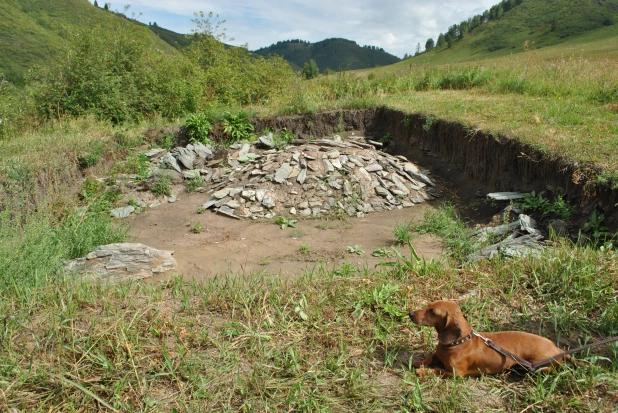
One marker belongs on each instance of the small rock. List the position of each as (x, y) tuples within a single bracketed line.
[(382, 191), (153, 152), (208, 204), (373, 167), (303, 205), (248, 194), (222, 193), (260, 194), (256, 209), (293, 211), (328, 167), (282, 173), (269, 202), (267, 141), (306, 212), (302, 176), (184, 156), (172, 198), (169, 162), (227, 211), (233, 204), (123, 212), (505, 196)]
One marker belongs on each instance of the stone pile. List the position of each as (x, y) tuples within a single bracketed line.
[(520, 238), (305, 178)]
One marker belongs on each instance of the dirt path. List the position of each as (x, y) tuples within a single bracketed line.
[(232, 246)]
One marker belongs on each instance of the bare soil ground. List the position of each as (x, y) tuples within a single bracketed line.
[(244, 246)]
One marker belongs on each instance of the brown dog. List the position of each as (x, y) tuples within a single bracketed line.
[(465, 354)]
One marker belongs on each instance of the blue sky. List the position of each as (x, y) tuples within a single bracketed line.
[(395, 25)]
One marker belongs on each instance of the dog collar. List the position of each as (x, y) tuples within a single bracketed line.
[(461, 340)]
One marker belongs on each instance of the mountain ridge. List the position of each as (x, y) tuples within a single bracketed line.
[(330, 54)]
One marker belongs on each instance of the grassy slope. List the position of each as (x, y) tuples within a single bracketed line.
[(336, 54), (556, 110), (531, 21), (31, 31)]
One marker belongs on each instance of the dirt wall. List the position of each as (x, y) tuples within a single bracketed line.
[(474, 161)]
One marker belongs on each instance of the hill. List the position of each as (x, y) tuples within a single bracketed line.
[(513, 26), (33, 31), (334, 54)]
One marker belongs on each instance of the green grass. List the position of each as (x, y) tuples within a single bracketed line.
[(319, 342), (402, 233)]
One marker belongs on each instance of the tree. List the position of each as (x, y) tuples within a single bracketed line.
[(96, 4), (429, 44), (405, 56), (449, 40), (310, 70), (106, 6), (441, 40), (418, 49)]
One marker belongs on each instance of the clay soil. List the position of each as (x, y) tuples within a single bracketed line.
[(227, 246)]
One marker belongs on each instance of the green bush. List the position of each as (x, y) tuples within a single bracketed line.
[(117, 75), (237, 127), (198, 127)]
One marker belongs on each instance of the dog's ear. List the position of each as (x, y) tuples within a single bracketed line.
[(451, 332)]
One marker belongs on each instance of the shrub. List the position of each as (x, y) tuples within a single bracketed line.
[(237, 127), (198, 127), (117, 75)]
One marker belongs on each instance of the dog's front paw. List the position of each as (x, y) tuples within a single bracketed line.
[(423, 372)]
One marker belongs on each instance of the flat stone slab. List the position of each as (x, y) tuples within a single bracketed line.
[(505, 196), (154, 152), (123, 212), (227, 211), (122, 262), (283, 173)]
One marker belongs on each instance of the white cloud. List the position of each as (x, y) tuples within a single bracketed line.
[(395, 25)]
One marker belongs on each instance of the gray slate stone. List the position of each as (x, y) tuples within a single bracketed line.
[(222, 193), (266, 141), (174, 176), (184, 156), (382, 191), (302, 176), (373, 167), (169, 162), (328, 166), (260, 194), (269, 202), (227, 211), (154, 152), (505, 196), (201, 150), (123, 212), (282, 173), (121, 262)]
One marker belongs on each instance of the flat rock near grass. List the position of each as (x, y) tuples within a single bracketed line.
[(121, 262)]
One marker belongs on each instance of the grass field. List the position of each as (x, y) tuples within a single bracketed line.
[(329, 339), (333, 339)]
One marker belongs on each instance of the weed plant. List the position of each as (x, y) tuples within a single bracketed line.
[(198, 127)]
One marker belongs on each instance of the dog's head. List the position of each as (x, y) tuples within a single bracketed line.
[(445, 316)]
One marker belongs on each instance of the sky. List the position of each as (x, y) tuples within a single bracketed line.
[(395, 25)]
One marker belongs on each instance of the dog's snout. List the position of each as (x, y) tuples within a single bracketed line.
[(412, 315)]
